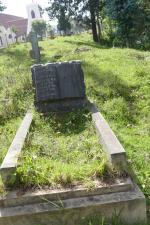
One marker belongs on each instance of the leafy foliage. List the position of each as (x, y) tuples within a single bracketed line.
[(115, 22), (2, 7), (61, 10), (63, 22), (77, 9), (91, 7), (129, 19), (39, 27)]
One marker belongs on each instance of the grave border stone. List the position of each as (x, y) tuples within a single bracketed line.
[(68, 207), (10, 161), (125, 198), (115, 152)]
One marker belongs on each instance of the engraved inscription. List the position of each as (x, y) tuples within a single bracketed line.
[(46, 86), (58, 86)]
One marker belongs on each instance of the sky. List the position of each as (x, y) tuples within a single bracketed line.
[(18, 7)]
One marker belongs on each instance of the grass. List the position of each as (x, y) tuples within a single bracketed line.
[(118, 80), (62, 151), (97, 220), (115, 220)]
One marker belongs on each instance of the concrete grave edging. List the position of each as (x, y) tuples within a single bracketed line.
[(130, 205), (46, 209), (14, 198), (115, 152), (10, 161)]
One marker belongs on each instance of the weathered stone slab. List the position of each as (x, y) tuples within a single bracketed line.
[(129, 204), (58, 86), (114, 150), (13, 198), (60, 106), (9, 164), (46, 83)]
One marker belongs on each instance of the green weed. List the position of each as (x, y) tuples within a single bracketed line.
[(62, 150)]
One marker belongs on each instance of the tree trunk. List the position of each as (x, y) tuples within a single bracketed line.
[(99, 29), (94, 28)]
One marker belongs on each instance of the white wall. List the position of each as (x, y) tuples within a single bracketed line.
[(10, 36), (7, 37), (32, 7), (3, 37)]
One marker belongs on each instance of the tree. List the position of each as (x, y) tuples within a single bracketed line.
[(63, 22), (41, 10), (127, 21), (88, 9), (92, 9), (39, 27), (2, 7), (50, 31), (128, 18), (79, 10), (62, 10), (145, 6), (93, 6)]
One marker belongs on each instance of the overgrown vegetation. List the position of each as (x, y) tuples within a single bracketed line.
[(39, 27), (118, 80), (98, 220), (15, 93), (62, 151), (115, 220)]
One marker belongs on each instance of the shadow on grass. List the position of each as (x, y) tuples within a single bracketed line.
[(88, 43), (18, 54), (108, 86), (69, 122), (2, 51), (116, 87)]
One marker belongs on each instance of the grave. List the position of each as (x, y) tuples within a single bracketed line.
[(59, 87), (35, 52)]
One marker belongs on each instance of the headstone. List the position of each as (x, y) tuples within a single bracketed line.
[(35, 47), (58, 86)]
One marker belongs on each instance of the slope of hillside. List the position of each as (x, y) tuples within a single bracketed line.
[(117, 80)]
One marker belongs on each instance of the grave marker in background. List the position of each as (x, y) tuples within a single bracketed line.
[(58, 86), (35, 47)]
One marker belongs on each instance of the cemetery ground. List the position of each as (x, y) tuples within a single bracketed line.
[(117, 80), (62, 151)]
